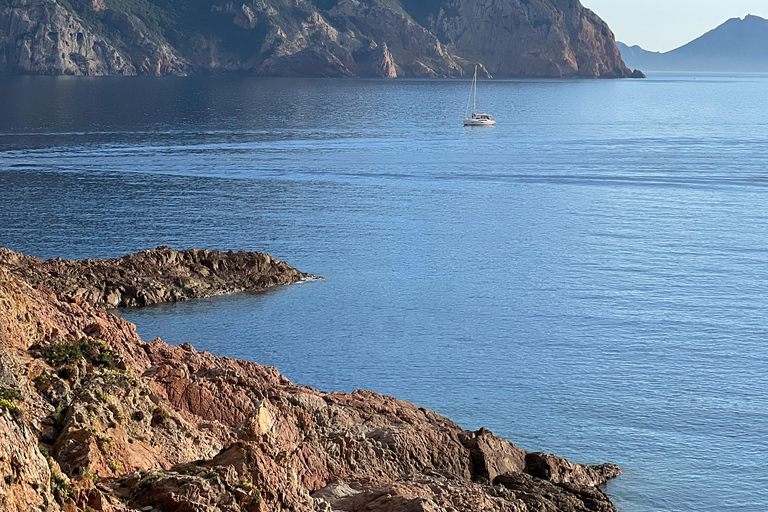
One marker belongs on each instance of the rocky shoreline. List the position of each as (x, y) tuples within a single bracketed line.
[(94, 418), (155, 276), (308, 38)]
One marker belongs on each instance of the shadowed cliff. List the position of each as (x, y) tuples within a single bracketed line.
[(375, 38)]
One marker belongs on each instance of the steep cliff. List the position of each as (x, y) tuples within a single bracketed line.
[(379, 38), (94, 419), (530, 37)]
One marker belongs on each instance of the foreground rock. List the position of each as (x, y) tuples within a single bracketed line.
[(377, 38), (93, 418), (154, 276)]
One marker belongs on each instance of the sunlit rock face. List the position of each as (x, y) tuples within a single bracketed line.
[(92, 418)]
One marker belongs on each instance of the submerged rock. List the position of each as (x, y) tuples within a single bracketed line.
[(97, 419)]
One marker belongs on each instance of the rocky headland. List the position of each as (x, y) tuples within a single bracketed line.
[(92, 418), (154, 276), (372, 38)]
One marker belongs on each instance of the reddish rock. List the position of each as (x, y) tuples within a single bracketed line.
[(130, 425)]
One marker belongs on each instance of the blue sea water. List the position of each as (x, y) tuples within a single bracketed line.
[(588, 278)]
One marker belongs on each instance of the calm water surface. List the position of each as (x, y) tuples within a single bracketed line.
[(587, 278)]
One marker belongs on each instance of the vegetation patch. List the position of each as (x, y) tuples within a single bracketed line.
[(8, 397), (9, 393), (96, 351), (104, 445), (147, 481), (7, 405), (60, 488), (93, 477), (211, 473)]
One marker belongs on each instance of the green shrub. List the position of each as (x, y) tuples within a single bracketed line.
[(211, 473), (114, 466), (63, 353), (60, 487), (7, 398), (104, 445), (95, 351), (7, 405), (10, 393)]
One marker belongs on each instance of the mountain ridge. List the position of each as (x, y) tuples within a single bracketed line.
[(377, 38), (736, 45)]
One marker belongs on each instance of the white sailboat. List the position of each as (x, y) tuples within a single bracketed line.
[(476, 119)]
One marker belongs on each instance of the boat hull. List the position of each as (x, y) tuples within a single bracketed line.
[(479, 122)]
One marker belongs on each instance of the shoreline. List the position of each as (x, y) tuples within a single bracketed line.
[(108, 421)]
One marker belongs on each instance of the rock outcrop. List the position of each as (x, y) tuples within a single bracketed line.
[(377, 38), (530, 38), (92, 418), (153, 277), (43, 38)]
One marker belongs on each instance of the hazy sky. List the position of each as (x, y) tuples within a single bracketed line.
[(662, 25)]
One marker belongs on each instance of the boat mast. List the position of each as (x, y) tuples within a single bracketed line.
[(469, 100), (474, 108)]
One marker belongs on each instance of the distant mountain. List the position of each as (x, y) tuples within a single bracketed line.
[(736, 45), (383, 38)]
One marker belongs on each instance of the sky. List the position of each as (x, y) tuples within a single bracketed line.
[(662, 25)]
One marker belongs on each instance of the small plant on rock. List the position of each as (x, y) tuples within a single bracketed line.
[(147, 481), (60, 487), (8, 397), (104, 445), (211, 473), (93, 477)]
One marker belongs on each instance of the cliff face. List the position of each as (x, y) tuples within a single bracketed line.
[(530, 37), (43, 38), (378, 38), (93, 418)]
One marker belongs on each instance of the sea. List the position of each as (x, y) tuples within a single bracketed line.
[(587, 278)]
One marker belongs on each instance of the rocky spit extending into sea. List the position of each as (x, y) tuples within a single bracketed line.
[(94, 418)]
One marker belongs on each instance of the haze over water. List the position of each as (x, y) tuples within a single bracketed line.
[(588, 278)]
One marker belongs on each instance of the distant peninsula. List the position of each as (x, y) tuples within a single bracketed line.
[(307, 38), (738, 45)]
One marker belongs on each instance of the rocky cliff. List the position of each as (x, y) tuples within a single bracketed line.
[(376, 38), (94, 419), (152, 277)]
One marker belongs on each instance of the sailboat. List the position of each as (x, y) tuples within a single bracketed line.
[(476, 119)]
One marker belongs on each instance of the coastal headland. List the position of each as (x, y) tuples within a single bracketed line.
[(308, 38), (94, 418)]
